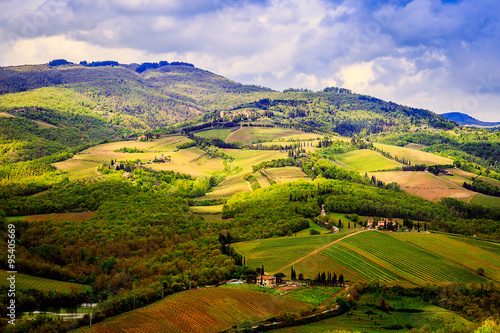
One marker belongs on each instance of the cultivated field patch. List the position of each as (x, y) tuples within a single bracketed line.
[(467, 254), (216, 209), (232, 185), (413, 155), (286, 174), (365, 160), (203, 310), (26, 282), (245, 158), (248, 135), (60, 217), (425, 185), (221, 134)]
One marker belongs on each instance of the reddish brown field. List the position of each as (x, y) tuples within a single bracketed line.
[(70, 217)]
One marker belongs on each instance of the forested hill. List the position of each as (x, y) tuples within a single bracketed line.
[(44, 108), (465, 119)]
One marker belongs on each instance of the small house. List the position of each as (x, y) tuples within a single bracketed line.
[(266, 281)]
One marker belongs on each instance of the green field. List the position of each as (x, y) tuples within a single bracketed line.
[(26, 282), (365, 160), (367, 318), (485, 200), (394, 258), (411, 263), (314, 295), (203, 310), (215, 134), (467, 253), (248, 135), (413, 155), (277, 253)]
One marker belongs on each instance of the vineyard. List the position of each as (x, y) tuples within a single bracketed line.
[(472, 254), (409, 261), (26, 282), (277, 253), (203, 310), (394, 258), (68, 217), (226, 189)]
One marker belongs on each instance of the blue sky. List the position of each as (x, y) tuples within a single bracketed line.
[(439, 55)]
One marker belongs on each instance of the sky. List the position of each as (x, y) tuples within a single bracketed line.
[(433, 54)]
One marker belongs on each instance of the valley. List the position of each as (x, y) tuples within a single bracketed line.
[(133, 190)]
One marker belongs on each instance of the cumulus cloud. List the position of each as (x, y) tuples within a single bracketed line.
[(422, 53)]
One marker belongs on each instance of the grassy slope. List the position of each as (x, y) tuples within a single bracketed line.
[(366, 318), (247, 135), (25, 282), (277, 253), (366, 160)]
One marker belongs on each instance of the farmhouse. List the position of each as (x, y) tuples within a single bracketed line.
[(266, 281), (382, 224)]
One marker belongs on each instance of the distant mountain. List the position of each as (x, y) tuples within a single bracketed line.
[(466, 120)]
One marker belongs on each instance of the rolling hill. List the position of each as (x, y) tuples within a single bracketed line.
[(466, 120), (408, 258)]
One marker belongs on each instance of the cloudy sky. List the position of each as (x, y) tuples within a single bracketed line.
[(442, 55)]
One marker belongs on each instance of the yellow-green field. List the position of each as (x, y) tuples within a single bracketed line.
[(247, 158), (467, 253), (286, 174), (215, 133), (232, 185), (78, 168), (425, 185), (26, 282), (457, 178), (40, 124), (415, 156), (248, 135), (365, 160), (216, 209), (105, 152), (263, 182), (485, 200)]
